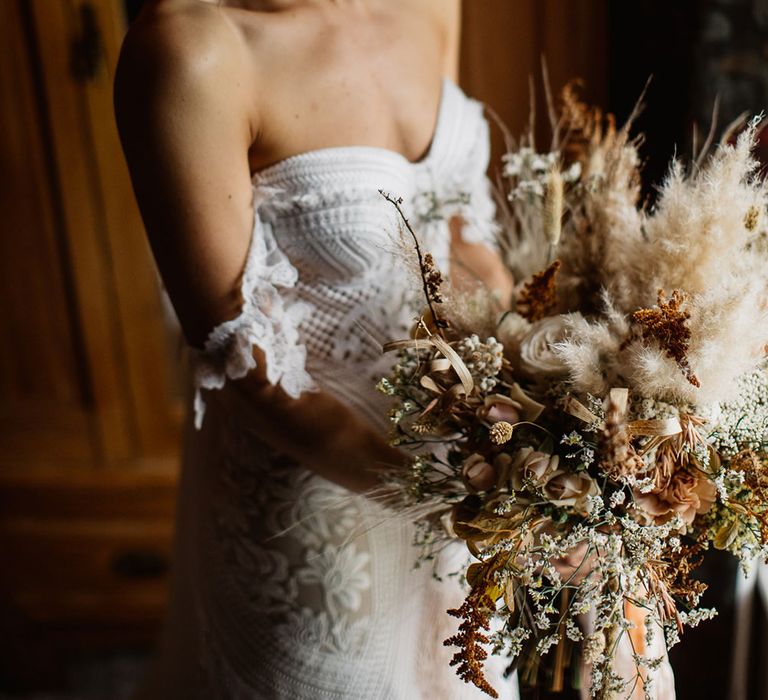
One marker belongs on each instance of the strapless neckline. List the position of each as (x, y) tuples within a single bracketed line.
[(449, 92)]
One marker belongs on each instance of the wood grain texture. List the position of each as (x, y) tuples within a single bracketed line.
[(503, 43), (42, 392), (90, 408), (147, 346), (56, 24)]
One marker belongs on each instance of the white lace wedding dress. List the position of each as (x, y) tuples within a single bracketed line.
[(287, 586)]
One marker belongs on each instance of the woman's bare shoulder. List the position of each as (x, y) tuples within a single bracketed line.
[(181, 42), (447, 16), (182, 61)]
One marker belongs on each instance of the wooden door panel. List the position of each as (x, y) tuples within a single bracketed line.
[(44, 393), (88, 572), (57, 26), (150, 344), (89, 412)]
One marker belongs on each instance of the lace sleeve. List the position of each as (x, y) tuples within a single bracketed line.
[(459, 186), (268, 320), (473, 197)]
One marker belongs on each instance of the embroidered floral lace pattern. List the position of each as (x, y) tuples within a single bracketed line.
[(296, 587)]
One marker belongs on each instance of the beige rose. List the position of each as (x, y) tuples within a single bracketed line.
[(685, 494), (536, 354), (480, 475), (534, 465), (513, 408), (570, 489)]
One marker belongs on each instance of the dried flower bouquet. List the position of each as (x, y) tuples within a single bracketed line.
[(591, 441)]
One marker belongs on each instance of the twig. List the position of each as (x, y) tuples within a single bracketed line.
[(637, 109), (440, 324), (531, 112), (710, 135), (736, 125), (554, 122)]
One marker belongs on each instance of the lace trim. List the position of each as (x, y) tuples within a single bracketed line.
[(267, 320)]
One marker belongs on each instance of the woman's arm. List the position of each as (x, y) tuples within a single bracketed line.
[(184, 111), (478, 263)]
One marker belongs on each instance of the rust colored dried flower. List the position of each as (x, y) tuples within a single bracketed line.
[(666, 324), (433, 279), (672, 575), (539, 296), (475, 616), (501, 432)]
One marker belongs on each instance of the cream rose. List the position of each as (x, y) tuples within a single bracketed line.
[(511, 328), (513, 408), (536, 354), (497, 407), (478, 475)]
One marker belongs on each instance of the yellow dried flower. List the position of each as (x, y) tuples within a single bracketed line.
[(501, 432), (423, 427)]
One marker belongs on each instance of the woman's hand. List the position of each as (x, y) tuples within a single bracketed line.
[(319, 431)]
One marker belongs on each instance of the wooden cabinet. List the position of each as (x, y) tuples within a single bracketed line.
[(90, 404)]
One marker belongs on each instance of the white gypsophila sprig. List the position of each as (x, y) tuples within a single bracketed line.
[(742, 422), (509, 643), (531, 171)]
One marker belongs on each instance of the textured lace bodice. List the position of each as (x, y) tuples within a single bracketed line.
[(326, 281), (290, 586)]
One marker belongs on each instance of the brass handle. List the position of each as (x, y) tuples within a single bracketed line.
[(87, 48)]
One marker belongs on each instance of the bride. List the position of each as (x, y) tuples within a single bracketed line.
[(258, 133)]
